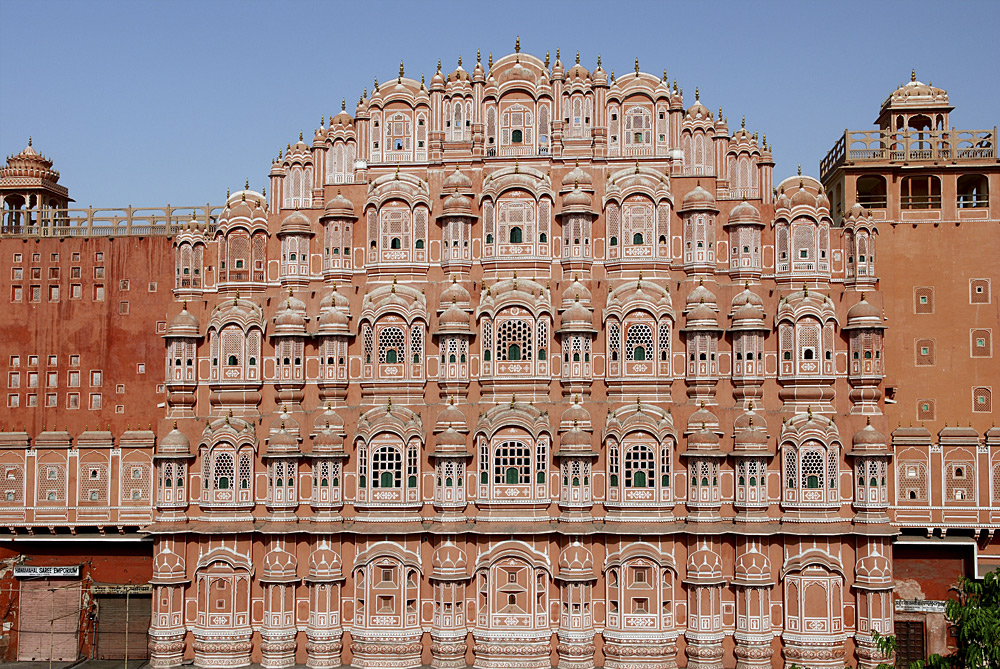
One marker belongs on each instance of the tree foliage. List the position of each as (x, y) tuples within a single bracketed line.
[(975, 613)]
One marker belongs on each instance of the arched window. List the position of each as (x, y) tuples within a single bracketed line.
[(387, 467), (872, 192), (637, 238), (512, 463), (920, 192), (973, 191), (516, 235), (640, 467), (516, 136)]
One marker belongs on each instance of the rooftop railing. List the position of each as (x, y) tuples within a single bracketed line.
[(91, 222), (860, 146)]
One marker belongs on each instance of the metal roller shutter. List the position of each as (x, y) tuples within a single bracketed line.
[(49, 624), (115, 615)]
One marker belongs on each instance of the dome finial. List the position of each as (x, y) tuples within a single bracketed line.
[(578, 57), (697, 94), (517, 44), (439, 65), (546, 60), (376, 85), (800, 169), (29, 140), (743, 123), (343, 105), (490, 60), (460, 60), (637, 67), (913, 74), (246, 185), (401, 69)]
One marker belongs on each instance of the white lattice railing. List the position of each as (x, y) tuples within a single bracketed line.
[(92, 222)]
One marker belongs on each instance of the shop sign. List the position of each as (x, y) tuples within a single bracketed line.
[(25, 571), (123, 589), (920, 605)]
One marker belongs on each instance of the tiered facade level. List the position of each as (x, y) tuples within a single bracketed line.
[(521, 367)]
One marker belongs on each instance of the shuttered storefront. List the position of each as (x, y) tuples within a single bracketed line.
[(122, 624), (49, 624)]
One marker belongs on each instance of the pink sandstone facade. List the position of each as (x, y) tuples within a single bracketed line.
[(526, 366)]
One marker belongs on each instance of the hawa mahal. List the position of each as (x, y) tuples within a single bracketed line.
[(525, 365)]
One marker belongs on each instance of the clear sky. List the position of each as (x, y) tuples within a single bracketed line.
[(149, 103)]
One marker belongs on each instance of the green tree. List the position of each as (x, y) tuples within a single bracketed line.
[(975, 614)]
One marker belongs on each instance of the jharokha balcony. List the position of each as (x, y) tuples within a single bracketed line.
[(907, 146)]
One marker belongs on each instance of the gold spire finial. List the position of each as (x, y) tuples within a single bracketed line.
[(697, 94), (343, 106), (490, 60), (663, 79), (376, 85), (29, 140), (800, 169), (578, 57), (300, 135), (598, 61), (517, 44), (460, 60), (439, 65), (479, 56), (637, 67), (913, 74), (557, 54), (743, 123), (546, 60), (246, 185), (862, 296)]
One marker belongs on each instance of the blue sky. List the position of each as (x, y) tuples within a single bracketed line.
[(149, 103)]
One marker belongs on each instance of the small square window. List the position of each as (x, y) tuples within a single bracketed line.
[(36, 257), (16, 294), (75, 272), (32, 361), (923, 299), (18, 257), (36, 294), (14, 380), (123, 308), (119, 408), (75, 291), (13, 400), (32, 379), (53, 360), (54, 257), (99, 256), (17, 273), (53, 293), (76, 257), (51, 399), (36, 272), (74, 361), (123, 284), (73, 401), (152, 287), (95, 401), (140, 368), (120, 389), (73, 379), (32, 400), (99, 293), (924, 350), (52, 379), (99, 272), (136, 473), (15, 361), (96, 377)]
